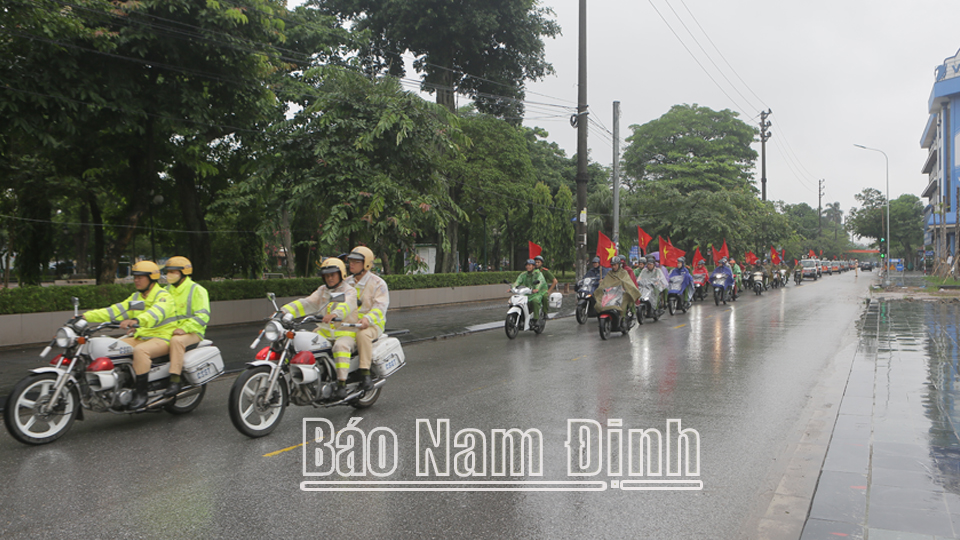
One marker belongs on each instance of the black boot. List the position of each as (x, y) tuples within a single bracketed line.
[(341, 392), (174, 387), (366, 383), (140, 394)]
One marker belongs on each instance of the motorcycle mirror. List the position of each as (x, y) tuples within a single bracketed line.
[(138, 305), (273, 299), (337, 298), (76, 305)]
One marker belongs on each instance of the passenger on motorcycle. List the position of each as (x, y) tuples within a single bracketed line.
[(702, 269), (373, 300), (334, 275), (618, 276), (533, 279), (156, 323), (652, 276), (682, 270), (550, 279), (192, 315)]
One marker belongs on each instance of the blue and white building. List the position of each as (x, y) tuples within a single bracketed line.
[(940, 138)]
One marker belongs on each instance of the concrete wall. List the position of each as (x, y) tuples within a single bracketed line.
[(30, 328)]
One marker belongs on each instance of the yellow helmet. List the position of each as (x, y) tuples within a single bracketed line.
[(179, 263), (362, 253), (147, 268), (331, 265)]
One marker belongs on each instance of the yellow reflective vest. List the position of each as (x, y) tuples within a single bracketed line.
[(346, 310), (374, 298), (156, 320), (193, 306)]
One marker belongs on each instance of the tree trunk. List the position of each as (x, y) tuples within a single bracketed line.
[(193, 216), (34, 235), (286, 240), (450, 256), (82, 241), (114, 250), (97, 237)]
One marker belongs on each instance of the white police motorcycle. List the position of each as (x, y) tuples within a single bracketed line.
[(298, 367), (96, 373)]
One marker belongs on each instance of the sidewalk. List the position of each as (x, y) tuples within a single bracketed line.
[(892, 468)]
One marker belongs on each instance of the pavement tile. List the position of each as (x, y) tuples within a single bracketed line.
[(840, 496), (821, 529), (883, 534), (885, 498), (925, 481), (853, 427), (847, 456), (935, 523), (856, 405)]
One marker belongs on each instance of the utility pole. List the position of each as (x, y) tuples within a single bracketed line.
[(764, 136), (580, 121), (616, 174), (820, 210)]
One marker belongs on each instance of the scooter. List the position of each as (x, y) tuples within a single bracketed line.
[(586, 304), (648, 306), (96, 373), (677, 293), (722, 287), (298, 367), (518, 314), (798, 275), (612, 319), (757, 279), (700, 287)]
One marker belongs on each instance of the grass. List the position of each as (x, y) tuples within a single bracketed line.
[(936, 282)]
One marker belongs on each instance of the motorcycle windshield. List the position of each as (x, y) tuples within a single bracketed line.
[(676, 284), (612, 297)]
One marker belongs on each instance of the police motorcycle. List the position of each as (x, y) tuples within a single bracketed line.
[(586, 303), (722, 287), (96, 373), (757, 281), (780, 277), (677, 293), (297, 367), (798, 274), (612, 320)]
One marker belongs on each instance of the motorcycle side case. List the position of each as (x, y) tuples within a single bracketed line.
[(556, 299), (387, 356), (202, 365)]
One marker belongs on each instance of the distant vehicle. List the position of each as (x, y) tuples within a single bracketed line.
[(835, 266), (866, 266), (810, 268)]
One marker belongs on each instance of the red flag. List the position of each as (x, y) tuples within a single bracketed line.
[(697, 257), (716, 255), (750, 258), (812, 254), (644, 239), (821, 253), (670, 255), (605, 250), (724, 252), (534, 249), (796, 262), (774, 256), (783, 254)]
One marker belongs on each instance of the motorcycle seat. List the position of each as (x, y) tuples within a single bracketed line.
[(161, 360)]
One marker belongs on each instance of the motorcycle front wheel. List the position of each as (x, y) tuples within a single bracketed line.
[(541, 324), (758, 288), (716, 296), (26, 414), (582, 313), (183, 405), (604, 327), (671, 304), (512, 325), (252, 412)]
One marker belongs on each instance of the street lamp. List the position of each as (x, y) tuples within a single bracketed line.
[(886, 265), (483, 215)]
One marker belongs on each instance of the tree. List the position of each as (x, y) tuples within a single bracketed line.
[(868, 221), (486, 49), (691, 148)]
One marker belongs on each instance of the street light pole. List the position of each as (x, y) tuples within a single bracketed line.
[(887, 161)]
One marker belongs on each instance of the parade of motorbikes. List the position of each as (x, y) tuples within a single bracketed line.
[(331, 348)]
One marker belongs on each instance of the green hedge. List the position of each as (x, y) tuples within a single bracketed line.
[(39, 299)]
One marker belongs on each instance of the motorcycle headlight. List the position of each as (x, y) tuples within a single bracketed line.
[(66, 337), (272, 331)]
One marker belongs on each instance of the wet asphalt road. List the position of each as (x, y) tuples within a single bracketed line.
[(740, 375)]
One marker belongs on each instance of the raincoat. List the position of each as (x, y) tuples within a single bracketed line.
[(620, 278)]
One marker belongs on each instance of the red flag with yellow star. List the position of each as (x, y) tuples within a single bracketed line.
[(605, 250)]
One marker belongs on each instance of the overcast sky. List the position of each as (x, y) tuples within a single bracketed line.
[(834, 73)]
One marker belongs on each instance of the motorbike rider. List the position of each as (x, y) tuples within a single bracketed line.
[(595, 270), (653, 277), (532, 278), (737, 277), (728, 271), (334, 274), (192, 315), (549, 278), (702, 269), (373, 298), (618, 276), (156, 323), (682, 270)]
